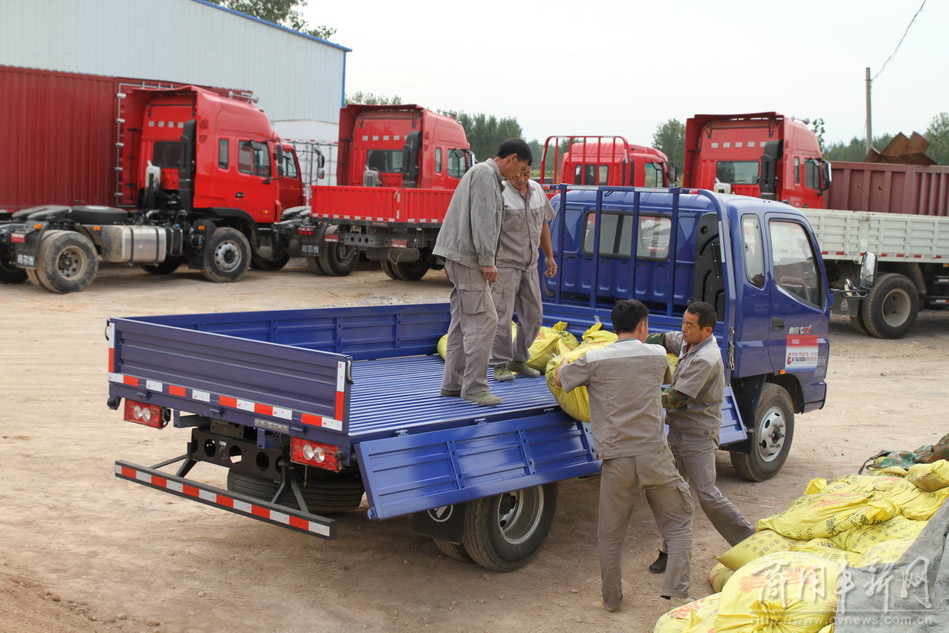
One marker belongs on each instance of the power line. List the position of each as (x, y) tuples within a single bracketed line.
[(893, 54)]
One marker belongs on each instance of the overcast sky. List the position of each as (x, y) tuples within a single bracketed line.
[(621, 67)]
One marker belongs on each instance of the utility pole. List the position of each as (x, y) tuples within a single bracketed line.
[(869, 123)]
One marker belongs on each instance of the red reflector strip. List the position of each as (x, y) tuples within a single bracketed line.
[(130, 380), (228, 401), (19, 238), (263, 409), (177, 391), (340, 404), (111, 358), (260, 512)]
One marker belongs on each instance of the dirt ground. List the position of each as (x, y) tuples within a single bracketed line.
[(81, 550)]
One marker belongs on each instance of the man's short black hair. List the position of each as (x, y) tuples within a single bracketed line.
[(627, 315), (516, 146), (705, 312)]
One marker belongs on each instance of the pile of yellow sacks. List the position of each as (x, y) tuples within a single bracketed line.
[(549, 340), (784, 577)]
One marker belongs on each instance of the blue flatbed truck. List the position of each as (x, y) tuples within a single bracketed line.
[(310, 409)]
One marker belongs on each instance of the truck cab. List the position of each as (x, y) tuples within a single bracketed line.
[(764, 155), (756, 261), (604, 160)]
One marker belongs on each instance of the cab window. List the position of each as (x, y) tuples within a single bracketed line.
[(737, 172), (166, 154), (617, 234), (253, 158), (794, 262), (438, 160), (653, 175), (384, 160), (223, 147), (590, 174), (752, 251), (288, 165), (456, 163)]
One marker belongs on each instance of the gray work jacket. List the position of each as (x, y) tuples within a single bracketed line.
[(471, 231)]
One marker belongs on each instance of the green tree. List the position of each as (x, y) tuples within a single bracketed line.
[(486, 133), (818, 127), (669, 138), (373, 99), (282, 12), (938, 136), (855, 150)]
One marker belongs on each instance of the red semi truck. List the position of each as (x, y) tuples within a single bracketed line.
[(896, 212), (604, 160), (398, 167), (136, 172)]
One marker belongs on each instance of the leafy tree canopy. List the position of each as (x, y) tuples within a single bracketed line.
[(486, 133), (669, 138), (373, 99), (282, 12), (938, 136)]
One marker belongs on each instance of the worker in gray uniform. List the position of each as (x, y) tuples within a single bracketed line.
[(468, 240), (524, 228), (624, 381), (693, 403)]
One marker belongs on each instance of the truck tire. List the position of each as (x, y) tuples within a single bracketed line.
[(67, 262), (407, 271), (9, 273), (35, 279), (314, 266), (504, 532), (278, 261), (387, 268), (226, 256), (166, 267), (891, 306), (323, 492), (856, 321), (452, 550), (338, 259), (772, 436)]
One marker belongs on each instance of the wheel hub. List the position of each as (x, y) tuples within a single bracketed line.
[(70, 263), (227, 256), (896, 308), (519, 514), (772, 434)]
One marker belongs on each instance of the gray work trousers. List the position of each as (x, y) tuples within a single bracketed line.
[(695, 459), (474, 322), (621, 480), (519, 290)]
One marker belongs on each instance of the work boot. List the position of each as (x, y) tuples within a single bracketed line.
[(659, 566), (522, 368), (678, 601), (484, 398), (502, 373), (450, 393)]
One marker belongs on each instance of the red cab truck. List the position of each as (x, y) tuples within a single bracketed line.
[(896, 212), (398, 167), (604, 160), (153, 175)]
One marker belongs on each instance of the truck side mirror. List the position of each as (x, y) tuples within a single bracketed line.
[(768, 182), (673, 175), (825, 175), (410, 157), (868, 268), (320, 160)]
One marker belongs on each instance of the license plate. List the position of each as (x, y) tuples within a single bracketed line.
[(27, 261), (310, 249)]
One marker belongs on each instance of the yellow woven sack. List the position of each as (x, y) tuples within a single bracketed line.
[(827, 629), (442, 346), (545, 345), (930, 477), (755, 546), (596, 334), (685, 617), (828, 513), (816, 485), (926, 505), (882, 553), (575, 403), (719, 576), (861, 539), (790, 592), (892, 471)]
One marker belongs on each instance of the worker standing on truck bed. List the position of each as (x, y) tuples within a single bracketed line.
[(468, 240), (524, 228), (624, 382), (693, 404)]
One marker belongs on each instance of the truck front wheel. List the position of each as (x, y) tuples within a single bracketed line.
[(891, 306), (504, 532), (67, 262), (772, 436), (226, 256)]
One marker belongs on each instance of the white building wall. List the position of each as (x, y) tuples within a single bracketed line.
[(295, 77)]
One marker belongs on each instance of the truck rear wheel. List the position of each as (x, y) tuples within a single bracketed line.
[(226, 256), (891, 306), (771, 440), (314, 266), (9, 273), (452, 550), (166, 267), (323, 492), (504, 532), (337, 258), (276, 262), (856, 321), (405, 271), (67, 262)]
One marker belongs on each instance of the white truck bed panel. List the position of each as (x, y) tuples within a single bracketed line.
[(891, 236)]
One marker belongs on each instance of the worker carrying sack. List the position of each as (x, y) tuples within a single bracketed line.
[(576, 403), (546, 345)]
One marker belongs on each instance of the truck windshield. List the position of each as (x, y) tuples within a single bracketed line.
[(616, 235), (793, 261), (737, 172), (384, 160)]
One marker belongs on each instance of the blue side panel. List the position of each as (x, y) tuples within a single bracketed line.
[(410, 473), (733, 430)]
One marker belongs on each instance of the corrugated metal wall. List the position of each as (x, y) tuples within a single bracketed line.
[(295, 77)]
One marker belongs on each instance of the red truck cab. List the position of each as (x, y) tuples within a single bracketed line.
[(605, 160), (236, 155), (763, 155), (405, 145)]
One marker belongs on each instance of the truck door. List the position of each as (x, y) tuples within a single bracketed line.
[(255, 189), (798, 291)]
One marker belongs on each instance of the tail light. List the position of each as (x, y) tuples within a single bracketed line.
[(314, 454), (147, 414)]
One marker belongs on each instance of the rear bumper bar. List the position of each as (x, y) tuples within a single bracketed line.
[(226, 500)]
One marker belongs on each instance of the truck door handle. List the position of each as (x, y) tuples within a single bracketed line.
[(239, 194), (777, 325)]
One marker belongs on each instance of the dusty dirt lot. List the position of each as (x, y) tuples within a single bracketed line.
[(81, 550)]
